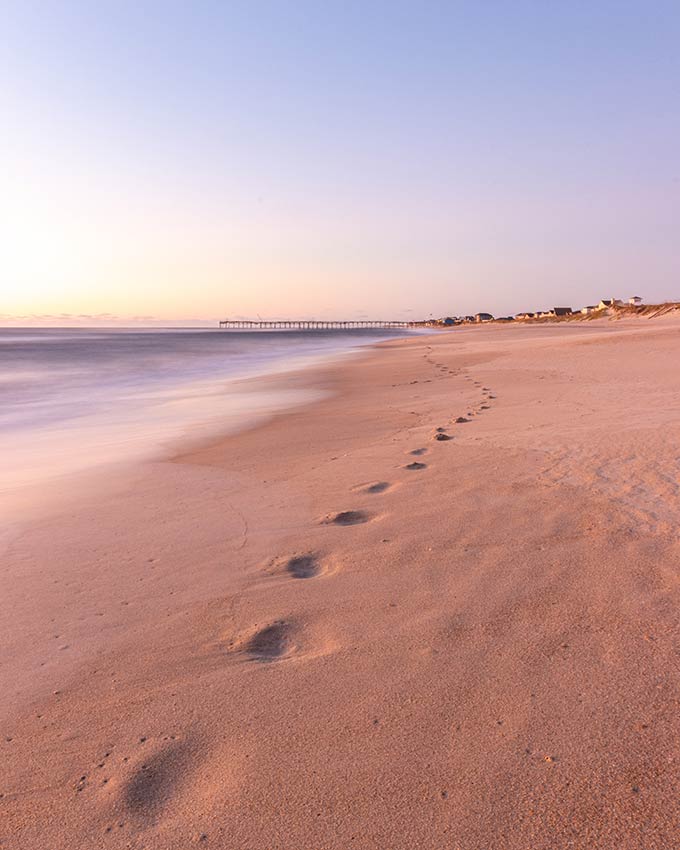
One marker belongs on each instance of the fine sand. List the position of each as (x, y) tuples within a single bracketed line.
[(437, 609)]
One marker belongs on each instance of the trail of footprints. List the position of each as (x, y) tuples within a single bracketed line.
[(282, 639), (145, 779)]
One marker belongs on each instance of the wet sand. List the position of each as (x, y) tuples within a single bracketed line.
[(341, 629)]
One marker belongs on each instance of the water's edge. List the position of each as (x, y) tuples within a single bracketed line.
[(62, 461)]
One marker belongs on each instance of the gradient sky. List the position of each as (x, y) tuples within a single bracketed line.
[(188, 161)]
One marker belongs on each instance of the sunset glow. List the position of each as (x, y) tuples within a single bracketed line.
[(282, 158)]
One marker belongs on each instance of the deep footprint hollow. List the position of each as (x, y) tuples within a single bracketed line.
[(378, 487), (349, 518), (272, 642), (304, 566)]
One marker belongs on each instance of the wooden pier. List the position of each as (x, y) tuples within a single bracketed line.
[(309, 324)]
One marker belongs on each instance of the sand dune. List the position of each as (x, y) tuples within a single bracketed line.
[(437, 609)]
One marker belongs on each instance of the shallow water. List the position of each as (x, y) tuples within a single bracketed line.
[(72, 400)]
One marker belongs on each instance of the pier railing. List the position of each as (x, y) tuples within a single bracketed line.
[(310, 324)]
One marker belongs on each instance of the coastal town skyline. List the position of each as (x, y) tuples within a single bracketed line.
[(600, 307)]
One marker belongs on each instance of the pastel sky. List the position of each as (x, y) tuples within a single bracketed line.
[(178, 161)]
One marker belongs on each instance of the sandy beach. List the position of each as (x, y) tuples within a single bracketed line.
[(365, 623)]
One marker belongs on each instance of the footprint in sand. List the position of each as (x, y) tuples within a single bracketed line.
[(272, 643), (375, 487), (416, 465), (304, 566), (300, 565), (281, 640), (418, 452), (153, 782), (441, 437), (348, 518), (140, 784), (461, 419)]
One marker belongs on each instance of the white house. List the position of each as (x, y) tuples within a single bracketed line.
[(635, 301)]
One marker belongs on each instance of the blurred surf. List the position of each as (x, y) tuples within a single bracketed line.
[(72, 400)]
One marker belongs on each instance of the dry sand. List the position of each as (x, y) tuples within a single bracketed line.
[(336, 631)]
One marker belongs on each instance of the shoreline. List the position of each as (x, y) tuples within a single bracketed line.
[(335, 627), (287, 386)]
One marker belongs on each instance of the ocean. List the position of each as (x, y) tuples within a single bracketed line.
[(72, 400)]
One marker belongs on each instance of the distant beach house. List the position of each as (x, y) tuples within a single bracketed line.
[(483, 317), (545, 314), (609, 302), (590, 309), (562, 311), (635, 301), (525, 315)]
